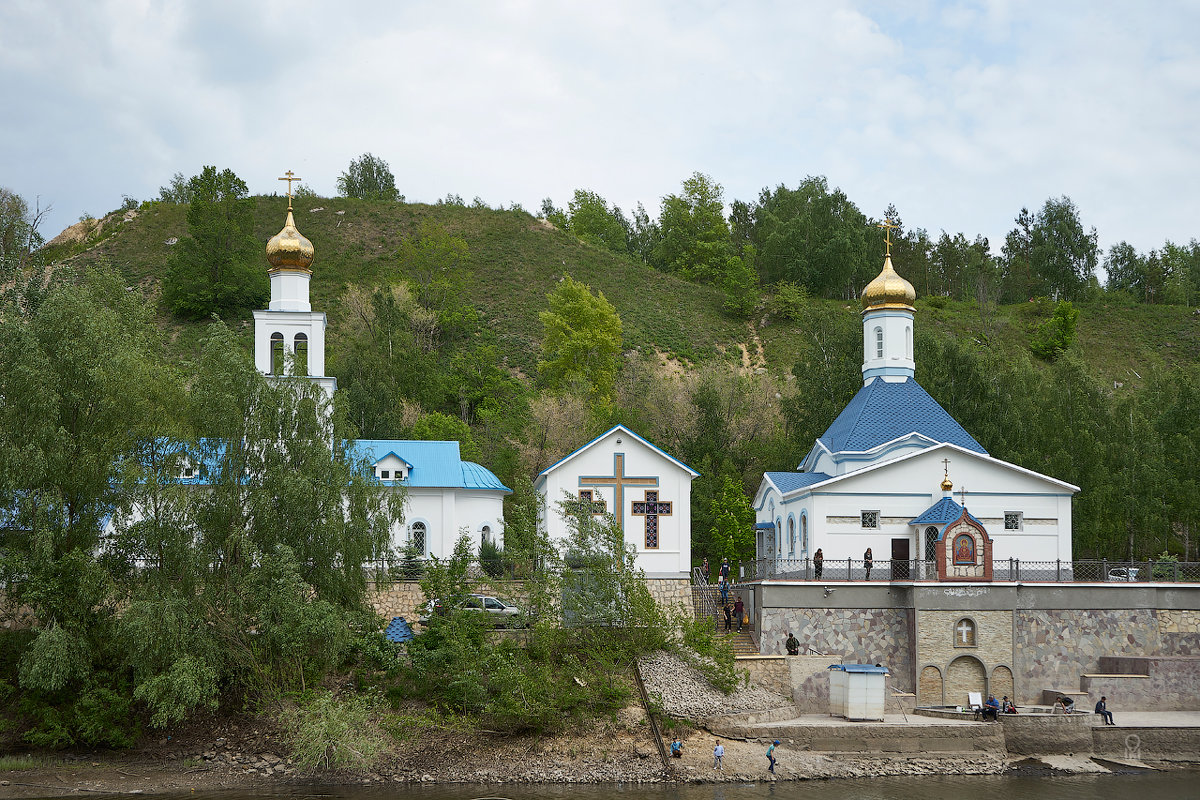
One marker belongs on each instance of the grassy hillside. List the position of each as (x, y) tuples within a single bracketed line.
[(516, 259)]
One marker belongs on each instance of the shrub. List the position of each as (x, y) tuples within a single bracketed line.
[(334, 733)]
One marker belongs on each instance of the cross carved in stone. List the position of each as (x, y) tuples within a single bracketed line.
[(964, 630)]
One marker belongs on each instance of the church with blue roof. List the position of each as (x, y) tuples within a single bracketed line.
[(879, 479), (445, 496)]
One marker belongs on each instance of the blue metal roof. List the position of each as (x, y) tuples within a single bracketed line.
[(764, 526), (625, 430), (433, 464), (883, 411), (791, 481), (398, 631), (868, 668), (943, 512)]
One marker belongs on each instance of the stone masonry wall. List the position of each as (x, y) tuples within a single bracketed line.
[(1180, 632), (851, 636), (671, 593), (939, 644), (1054, 648)]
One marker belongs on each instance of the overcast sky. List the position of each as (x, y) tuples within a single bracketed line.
[(959, 113)]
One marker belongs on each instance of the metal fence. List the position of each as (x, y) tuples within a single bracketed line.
[(1013, 569)]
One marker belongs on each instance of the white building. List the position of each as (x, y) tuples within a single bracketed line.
[(648, 492), (446, 496), (879, 477)]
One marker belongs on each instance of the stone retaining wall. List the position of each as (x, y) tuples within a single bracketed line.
[(1046, 734), (1172, 683), (1146, 744), (844, 635), (871, 737)]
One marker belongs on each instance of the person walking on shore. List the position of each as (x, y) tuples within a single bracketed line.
[(719, 756), (771, 756)]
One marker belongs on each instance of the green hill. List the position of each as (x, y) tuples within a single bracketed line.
[(516, 259)]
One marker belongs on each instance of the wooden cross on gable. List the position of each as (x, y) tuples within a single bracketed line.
[(651, 508), (618, 480)]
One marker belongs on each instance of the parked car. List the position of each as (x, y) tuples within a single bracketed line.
[(504, 613), (1123, 574)]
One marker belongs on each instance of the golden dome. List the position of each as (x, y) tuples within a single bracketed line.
[(947, 484), (888, 290), (289, 250)]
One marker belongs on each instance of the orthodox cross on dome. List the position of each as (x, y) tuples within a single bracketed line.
[(651, 508), (888, 226), (962, 497), (290, 176), (618, 480)]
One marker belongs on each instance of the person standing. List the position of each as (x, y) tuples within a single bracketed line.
[(739, 611), (728, 619), (771, 756), (868, 561), (704, 569), (725, 569), (719, 756), (792, 644), (724, 587), (818, 562), (1102, 710)]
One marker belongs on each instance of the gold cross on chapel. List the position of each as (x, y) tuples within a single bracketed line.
[(290, 176), (888, 226)]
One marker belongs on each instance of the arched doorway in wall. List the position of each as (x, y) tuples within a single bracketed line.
[(1002, 684), (929, 688), (300, 349), (964, 675)]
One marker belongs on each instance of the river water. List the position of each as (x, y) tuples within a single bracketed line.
[(1143, 786)]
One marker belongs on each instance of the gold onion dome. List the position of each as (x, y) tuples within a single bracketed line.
[(288, 249), (888, 290), (947, 484)]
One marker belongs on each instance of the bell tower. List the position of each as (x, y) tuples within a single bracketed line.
[(289, 337), (888, 323)]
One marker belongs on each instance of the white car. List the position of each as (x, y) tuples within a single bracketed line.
[(506, 613), (1123, 574)]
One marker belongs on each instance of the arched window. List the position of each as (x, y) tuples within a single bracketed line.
[(879, 342), (804, 534), (931, 536), (276, 353), (485, 534), (301, 352), (908, 342), (791, 537), (417, 538)]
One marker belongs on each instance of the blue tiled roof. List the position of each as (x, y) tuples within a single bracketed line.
[(791, 481), (943, 512), (764, 526), (883, 411), (433, 464), (398, 631)]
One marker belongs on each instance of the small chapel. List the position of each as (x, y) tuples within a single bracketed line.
[(882, 476), (445, 496)]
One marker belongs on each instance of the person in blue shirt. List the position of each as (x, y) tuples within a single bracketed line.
[(991, 708), (676, 748), (771, 756)]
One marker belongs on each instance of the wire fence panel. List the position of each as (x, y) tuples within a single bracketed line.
[(1013, 569)]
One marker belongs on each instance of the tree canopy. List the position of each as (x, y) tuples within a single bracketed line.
[(368, 178), (581, 340)]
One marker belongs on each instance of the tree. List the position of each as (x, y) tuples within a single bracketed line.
[(368, 178), (590, 218), (695, 236), (1050, 253), (732, 532), (438, 267), (1056, 334), (438, 427), (217, 267), (581, 340), (19, 236), (177, 191)]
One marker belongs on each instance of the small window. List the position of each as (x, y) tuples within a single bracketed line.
[(300, 351), (964, 633), (188, 472), (870, 519), (485, 534), (416, 537), (879, 342), (1012, 520), (386, 474)]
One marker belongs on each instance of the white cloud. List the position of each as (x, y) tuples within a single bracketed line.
[(959, 113)]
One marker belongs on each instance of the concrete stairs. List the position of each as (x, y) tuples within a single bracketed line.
[(743, 645)]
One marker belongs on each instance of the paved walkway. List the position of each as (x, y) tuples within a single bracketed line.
[(1131, 719)]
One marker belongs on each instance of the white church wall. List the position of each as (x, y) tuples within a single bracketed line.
[(637, 461)]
